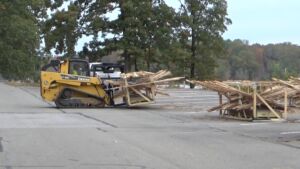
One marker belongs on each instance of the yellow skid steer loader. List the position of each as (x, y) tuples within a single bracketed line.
[(68, 84)]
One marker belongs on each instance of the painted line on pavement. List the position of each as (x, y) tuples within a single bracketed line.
[(290, 132), (252, 124)]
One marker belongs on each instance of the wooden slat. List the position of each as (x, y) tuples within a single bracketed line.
[(269, 107), (254, 104), (285, 104), (141, 94)]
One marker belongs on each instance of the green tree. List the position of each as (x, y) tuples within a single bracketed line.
[(241, 60), (142, 29), (259, 62), (71, 20), (19, 32), (204, 21)]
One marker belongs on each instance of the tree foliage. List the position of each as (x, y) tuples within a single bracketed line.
[(147, 31), (19, 32), (204, 21), (259, 62), (149, 34)]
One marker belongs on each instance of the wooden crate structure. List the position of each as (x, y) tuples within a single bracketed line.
[(139, 94), (140, 88), (246, 100)]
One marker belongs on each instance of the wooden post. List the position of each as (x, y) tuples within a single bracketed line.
[(260, 90), (220, 103), (269, 107), (254, 103), (140, 94), (127, 92), (285, 105)]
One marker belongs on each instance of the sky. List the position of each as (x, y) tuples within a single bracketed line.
[(258, 21), (262, 21)]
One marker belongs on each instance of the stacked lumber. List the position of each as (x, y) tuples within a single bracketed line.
[(247, 100), (292, 89), (136, 88), (237, 100)]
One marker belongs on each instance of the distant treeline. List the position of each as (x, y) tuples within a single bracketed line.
[(258, 62), (149, 34)]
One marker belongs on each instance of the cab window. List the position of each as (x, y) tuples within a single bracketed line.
[(79, 68)]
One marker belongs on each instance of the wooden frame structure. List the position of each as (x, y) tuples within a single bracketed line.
[(246, 100), (140, 88)]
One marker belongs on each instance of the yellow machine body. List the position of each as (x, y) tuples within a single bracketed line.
[(59, 85)]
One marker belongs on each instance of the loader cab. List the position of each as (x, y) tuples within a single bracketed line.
[(69, 66), (75, 67), (79, 67)]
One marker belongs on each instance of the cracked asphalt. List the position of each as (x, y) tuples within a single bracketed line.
[(175, 133)]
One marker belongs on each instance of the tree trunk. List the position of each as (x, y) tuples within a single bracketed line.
[(232, 74), (250, 75), (126, 55), (127, 61), (148, 60), (193, 50), (135, 65), (192, 75)]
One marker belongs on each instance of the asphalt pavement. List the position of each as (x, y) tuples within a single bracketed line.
[(175, 133)]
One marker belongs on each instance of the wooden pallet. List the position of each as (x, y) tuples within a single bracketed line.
[(140, 88)]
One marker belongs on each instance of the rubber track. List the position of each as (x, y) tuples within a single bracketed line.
[(59, 101)]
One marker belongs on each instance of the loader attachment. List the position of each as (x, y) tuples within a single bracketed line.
[(140, 88)]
